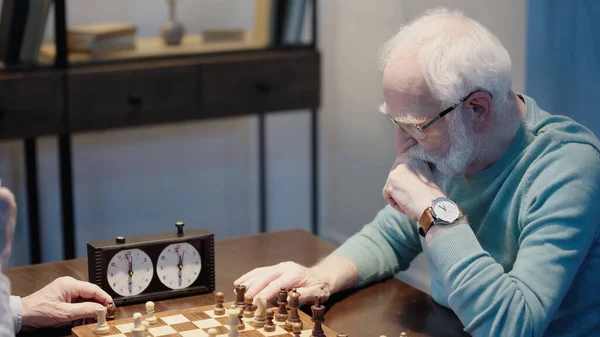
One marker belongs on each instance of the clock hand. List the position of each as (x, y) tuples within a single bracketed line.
[(130, 272)]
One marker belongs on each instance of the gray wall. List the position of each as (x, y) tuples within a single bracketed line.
[(141, 180)]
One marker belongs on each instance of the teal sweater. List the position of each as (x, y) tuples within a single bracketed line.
[(528, 263)]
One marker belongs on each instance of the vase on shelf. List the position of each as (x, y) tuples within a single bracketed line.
[(172, 31)]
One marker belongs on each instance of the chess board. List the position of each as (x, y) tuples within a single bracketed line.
[(195, 322)]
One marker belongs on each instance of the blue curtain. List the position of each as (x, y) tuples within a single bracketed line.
[(563, 58)]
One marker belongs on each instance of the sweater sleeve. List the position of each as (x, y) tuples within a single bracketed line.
[(558, 224), (383, 247)]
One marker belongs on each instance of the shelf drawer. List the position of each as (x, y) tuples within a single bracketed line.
[(278, 82), (107, 97), (30, 105)]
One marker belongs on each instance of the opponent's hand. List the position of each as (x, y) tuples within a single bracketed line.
[(266, 282), (410, 187), (63, 300)]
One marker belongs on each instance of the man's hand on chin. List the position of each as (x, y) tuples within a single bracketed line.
[(410, 187)]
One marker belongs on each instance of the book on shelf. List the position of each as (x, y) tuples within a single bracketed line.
[(34, 30), (101, 38), (13, 22), (291, 22)]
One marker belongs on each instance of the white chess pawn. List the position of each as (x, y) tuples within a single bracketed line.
[(137, 320), (101, 325), (150, 312), (139, 331), (212, 332), (146, 325)]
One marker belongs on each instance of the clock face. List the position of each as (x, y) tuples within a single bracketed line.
[(446, 210), (129, 272), (178, 265)]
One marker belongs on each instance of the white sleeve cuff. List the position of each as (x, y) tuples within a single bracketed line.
[(15, 307)]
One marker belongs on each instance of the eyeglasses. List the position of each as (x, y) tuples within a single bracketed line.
[(418, 131)]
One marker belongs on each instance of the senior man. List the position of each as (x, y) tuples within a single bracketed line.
[(500, 195), (63, 300)]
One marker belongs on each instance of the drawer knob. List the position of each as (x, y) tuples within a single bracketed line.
[(135, 100), (263, 88)]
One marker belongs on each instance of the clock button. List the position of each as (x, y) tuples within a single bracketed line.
[(120, 239), (179, 226)]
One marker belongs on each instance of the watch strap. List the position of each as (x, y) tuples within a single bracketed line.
[(425, 222)]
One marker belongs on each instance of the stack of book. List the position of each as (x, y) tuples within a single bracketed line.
[(102, 38)]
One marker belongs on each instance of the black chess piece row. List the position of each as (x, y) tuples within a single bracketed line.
[(292, 319)]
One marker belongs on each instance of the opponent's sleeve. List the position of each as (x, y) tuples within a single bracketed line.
[(383, 247)]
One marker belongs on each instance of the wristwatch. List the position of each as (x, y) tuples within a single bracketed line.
[(442, 211)]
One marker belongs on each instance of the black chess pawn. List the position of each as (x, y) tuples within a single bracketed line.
[(111, 311), (269, 326), (249, 308), (219, 309), (282, 313)]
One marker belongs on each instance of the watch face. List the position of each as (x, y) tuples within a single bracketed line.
[(446, 210)]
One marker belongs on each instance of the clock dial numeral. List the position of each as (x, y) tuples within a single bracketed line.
[(130, 272), (179, 265)]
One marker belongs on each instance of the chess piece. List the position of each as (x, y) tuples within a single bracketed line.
[(101, 325), (269, 326), (342, 334), (233, 321), (403, 334), (241, 324), (212, 332), (219, 309), (294, 304), (137, 319), (139, 331), (249, 307), (260, 315), (241, 293), (297, 329), (282, 313), (150, 312), (318, 312), (111, 311), (146, 325)]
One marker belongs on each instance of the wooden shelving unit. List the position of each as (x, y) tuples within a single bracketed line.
[(152, 88)]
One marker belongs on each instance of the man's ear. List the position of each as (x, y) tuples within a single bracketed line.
[(481, 104)]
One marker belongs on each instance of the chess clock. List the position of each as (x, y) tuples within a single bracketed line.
[(154, 267)]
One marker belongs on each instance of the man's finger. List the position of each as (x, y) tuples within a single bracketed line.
[(86, 290), (75, 311), (242, 279), (287, 281), (307, 295), (259, 282)]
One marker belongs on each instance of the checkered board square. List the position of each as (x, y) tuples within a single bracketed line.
[(195, 322)]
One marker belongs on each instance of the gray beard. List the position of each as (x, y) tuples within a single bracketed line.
[(462, 152)]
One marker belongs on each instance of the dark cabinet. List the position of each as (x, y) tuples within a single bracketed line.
[(31, 105), (124, 96)]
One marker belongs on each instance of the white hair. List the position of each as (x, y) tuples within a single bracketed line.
[(457, 56)]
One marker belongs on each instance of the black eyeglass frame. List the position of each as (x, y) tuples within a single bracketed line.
[(422, 128)]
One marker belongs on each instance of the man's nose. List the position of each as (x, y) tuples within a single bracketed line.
[(403, 141)]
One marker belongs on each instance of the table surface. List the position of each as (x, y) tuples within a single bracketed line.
[(385, 308)]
